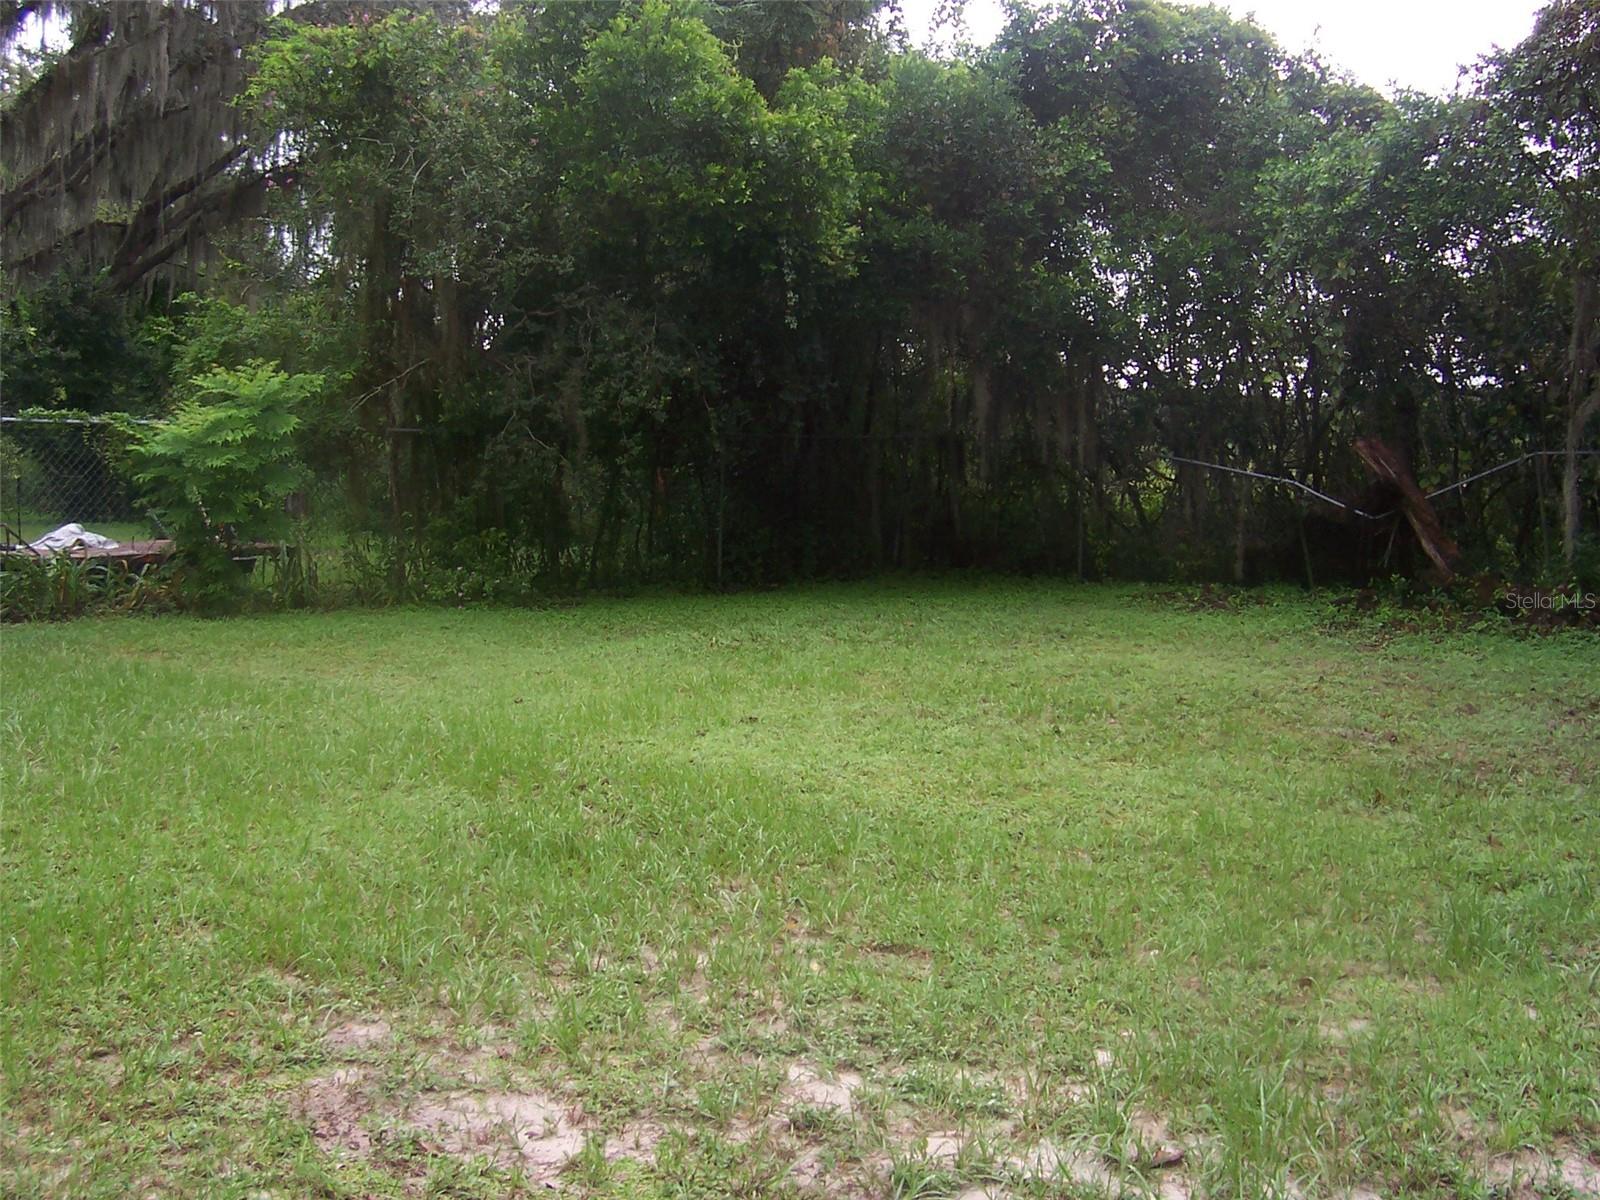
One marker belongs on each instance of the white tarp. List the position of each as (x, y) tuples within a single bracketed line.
[(68, 536)]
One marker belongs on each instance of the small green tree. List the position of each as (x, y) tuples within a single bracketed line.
[(220, 468)]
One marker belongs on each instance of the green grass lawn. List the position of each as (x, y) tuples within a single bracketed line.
[(954, 889)]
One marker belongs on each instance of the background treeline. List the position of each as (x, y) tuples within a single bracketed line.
[(739, 292)]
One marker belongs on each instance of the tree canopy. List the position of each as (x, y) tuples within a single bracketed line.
[(742, 291)]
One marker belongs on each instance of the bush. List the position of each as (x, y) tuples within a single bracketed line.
[(217, 472), (60, 586)]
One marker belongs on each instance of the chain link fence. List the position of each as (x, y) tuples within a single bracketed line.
[(60, 470), (361, 515)]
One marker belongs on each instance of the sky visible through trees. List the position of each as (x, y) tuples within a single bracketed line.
[(1419, 44)]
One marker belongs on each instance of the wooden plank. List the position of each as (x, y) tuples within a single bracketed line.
[(142, 554)]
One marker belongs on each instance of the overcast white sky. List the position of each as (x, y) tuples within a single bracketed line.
[(1410, 43), (1413, 43)]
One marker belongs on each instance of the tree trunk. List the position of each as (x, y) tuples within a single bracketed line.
[(1583, 401), (1080, 464), (1240, 524)]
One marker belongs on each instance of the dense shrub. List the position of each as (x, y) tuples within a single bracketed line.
[(218, 471)]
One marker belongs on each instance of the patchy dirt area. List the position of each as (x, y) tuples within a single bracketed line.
[(357, 1035), (806, 1088), (530, 1130), (813, 1120), (335, 1107), (1526, 1174), (835, 1132), (534, 1132)]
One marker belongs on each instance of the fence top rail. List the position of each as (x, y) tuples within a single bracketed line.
[(1388, 512), (6, 420)]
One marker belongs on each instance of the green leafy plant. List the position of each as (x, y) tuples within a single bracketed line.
[(60, 586), (217, 472)]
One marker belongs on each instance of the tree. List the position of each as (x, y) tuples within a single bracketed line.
[(749, 290), (124, 152), (1549, 86)]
